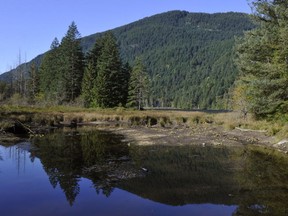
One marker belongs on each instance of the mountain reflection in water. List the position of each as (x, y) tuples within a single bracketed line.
[(253, 179)]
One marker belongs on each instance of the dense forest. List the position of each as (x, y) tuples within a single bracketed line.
[(188, 59), (189, 55)]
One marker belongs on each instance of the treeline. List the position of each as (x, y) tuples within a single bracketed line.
[(98, 78), (189, 57)]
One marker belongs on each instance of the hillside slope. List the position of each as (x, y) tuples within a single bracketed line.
[(189, 56)]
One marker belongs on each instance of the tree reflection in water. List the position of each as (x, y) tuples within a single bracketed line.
[(254, 179), (68, 156)]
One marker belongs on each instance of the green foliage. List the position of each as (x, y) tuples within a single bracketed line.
[(72, 66), (125, 81), (88, 92), (262, 60), (50, 74), (105, 81), (109, 68), (61, 70), (138, 85), (89, 84), (188, 56)]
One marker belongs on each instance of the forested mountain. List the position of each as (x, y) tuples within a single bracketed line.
[(189, 56)]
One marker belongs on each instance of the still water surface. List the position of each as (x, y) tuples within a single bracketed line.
[(88, 172)]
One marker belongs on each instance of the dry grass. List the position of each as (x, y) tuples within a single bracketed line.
[(54, 115)]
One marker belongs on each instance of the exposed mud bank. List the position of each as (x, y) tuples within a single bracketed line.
[(204, 135), (141, 130)]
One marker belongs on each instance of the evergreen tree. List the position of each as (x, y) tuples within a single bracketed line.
[(89, 85), (125, 79), (61, 70), (110, 75), (138, 85), (72, 63), (50, 77), (105, 82), (262, 59)]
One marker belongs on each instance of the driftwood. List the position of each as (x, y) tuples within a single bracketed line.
[(249, 130)]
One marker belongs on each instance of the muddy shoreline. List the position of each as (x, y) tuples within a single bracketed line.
[(198, 134), (144, 128), (202, 134)]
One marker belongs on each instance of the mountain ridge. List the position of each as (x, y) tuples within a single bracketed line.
[(188, 55)]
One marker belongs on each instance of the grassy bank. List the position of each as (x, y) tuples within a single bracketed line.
[(52, 116)]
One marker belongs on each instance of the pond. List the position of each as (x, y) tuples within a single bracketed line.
[(90, 172)]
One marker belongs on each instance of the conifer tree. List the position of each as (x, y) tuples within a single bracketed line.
[(110, 75), (61, 71), (72, 63), (89, 85), (124, 80), (50, 77), (262, 59), (138, 85), (105, 81)]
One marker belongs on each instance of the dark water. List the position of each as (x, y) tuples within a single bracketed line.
[(87, 172)]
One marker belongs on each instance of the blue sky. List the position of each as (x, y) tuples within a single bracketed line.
[(27, 27)]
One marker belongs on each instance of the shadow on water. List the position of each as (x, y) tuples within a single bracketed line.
[(254, 179)]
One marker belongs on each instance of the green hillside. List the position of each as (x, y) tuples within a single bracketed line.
[(189, 56)]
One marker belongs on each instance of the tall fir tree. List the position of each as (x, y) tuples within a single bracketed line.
[(263, 60), (110, 74), (72, 63), (50, 77), (125, 79), (89, 84), (138, 85)]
